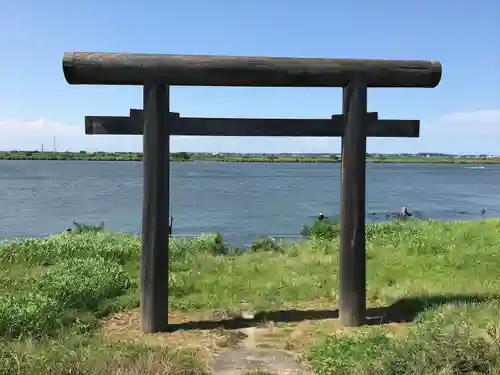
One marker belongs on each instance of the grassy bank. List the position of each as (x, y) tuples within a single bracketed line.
[(431, 291), (238, 158)]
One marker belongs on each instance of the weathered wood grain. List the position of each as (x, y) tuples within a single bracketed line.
[(156, 207), (241, 127), (100, 68), (352, 256), (112, 125)]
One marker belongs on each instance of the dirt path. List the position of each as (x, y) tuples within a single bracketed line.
[(234, 345), (246, 357), (240, 361), (264, 348)]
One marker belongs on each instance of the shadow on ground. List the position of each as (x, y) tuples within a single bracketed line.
[(404, 310)]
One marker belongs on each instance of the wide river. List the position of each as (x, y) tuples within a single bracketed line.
[(244, 201)]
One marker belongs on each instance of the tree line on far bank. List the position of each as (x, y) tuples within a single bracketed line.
[(235, 157)]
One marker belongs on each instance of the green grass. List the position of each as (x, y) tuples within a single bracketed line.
[(237, 158), (81, 355), (444, 277), (457, 338)]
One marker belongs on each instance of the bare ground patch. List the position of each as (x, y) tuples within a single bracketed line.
[(239, 341)]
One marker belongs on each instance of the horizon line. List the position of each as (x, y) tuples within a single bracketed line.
[(421, 153)]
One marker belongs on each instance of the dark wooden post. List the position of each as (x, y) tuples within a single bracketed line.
[(352, 269), (155, 214)]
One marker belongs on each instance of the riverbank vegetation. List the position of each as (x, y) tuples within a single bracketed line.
[(245, 158), (67, 302)]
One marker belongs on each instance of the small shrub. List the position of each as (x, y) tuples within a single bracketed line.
[(79, 284), (455, 348), (351, 355), (33, 314), (430, 349), (83, 283), (266, 244), (323, 229), (181, 284), (114, 247), (181, 249)]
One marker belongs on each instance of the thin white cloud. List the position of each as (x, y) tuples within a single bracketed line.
[(476, 122), (36, 128)]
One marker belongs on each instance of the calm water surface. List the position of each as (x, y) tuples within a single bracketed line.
[(243, 201)]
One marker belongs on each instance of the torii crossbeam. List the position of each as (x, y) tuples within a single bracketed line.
[(250, 127), (157, 123)]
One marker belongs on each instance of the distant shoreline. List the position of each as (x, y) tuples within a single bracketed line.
[(243, 158)]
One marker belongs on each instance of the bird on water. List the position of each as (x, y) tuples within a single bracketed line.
[(404, 212)]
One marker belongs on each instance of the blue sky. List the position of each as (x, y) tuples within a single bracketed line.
[(461, 115)]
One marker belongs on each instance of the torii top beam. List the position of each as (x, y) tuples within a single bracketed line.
[(99, 68)]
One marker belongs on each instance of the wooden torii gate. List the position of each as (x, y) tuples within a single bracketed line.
[(156, 123)]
